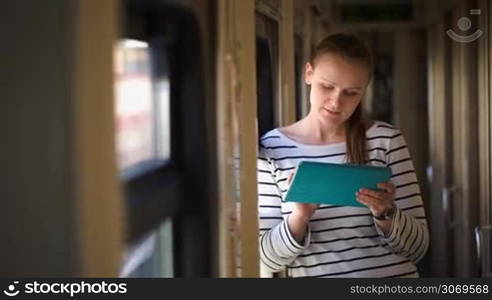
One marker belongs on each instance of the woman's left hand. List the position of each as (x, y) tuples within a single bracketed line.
[(378, 201)]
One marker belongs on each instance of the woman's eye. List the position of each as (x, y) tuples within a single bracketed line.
[(327, 87), (350, 94)]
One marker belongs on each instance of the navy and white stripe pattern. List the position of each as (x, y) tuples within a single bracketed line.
[(341, 241)]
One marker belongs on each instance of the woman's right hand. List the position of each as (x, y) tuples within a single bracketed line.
[(303, 211), (300, 216)]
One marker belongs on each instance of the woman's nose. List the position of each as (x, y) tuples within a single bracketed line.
[(334, 99)]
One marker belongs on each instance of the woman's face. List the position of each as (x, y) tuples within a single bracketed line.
[(337, 87)]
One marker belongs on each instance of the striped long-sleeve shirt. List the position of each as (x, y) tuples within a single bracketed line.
[(341, 241)]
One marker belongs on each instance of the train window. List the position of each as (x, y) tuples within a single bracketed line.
[(264, 86), (379, 11), (383, 86), (298, 69), (152, 256), (267, 74), (141, 108), (162, 141), (143, 147)]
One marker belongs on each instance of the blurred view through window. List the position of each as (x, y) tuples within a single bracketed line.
[(141, 109)]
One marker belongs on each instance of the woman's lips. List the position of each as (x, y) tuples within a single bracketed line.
[(331, 111)]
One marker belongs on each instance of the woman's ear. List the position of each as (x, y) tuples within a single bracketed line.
[(308, 73)]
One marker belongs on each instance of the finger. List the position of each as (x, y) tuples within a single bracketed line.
[(387, 186), (291, 175), (360, 200), (372, 193), (367, 200), (289, 178), (373, 204), (382, 198)]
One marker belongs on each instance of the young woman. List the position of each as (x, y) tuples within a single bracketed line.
[(384, 239)]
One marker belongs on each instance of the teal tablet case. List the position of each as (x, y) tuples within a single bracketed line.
[(335, 184)]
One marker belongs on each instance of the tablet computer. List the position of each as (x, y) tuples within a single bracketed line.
[(335, 184)]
